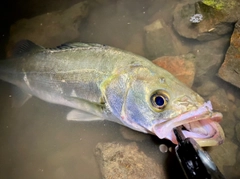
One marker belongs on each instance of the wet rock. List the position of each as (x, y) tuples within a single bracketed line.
[(208, 65), (228, 124), (238, 158), (237, 129), (51, 29), (136, 44), (156, 34), (230, 96), (135, 8), (160, 40), (182, 67), (126, 161), (102, 1), (111, 24), (204, 22), (160, 37), (230, 69), (220, 101), (237, 113), (232, 172), (207, 88), (237, 102), (224, 155), (209, 57), (130, 134)]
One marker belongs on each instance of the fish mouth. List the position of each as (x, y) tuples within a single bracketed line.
[(202, 125)]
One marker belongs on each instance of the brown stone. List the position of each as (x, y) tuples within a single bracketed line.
[(224, 155), (136, 44), (181, 68), (214, 22), (126, 161), (220, 101), (161, 40), (50, 29), (230, 69)]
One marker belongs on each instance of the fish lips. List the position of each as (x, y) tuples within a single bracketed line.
[(202, 125)]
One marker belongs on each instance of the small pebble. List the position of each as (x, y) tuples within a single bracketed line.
[(163, 148)]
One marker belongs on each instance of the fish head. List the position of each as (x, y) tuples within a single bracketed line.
[(156, 102)]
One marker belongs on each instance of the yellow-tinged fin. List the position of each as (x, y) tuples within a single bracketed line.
[(78, 115)]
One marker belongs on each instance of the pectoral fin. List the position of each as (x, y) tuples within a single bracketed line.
[(77, 115), (87, 107), (19, 97)]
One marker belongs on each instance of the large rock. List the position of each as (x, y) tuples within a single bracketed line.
[(136, 45), (237, 113), (158, 41), (50, 29), (209, 57), (161, 40), (205, 21), (207, 88), (220, 101), (113, 24), (237, 128), (126, 161), (182, 67), (230, 69), (224, 155), (228, 124)]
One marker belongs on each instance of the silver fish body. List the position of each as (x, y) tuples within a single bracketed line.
[(112, 84)]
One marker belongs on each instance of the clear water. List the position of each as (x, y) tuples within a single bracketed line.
[(35, 140)]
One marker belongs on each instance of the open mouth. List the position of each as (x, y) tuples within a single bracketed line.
[(202, 125)]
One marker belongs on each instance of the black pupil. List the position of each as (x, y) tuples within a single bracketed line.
[(159, 100)]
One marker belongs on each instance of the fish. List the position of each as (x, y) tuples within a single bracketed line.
[(100, 82)]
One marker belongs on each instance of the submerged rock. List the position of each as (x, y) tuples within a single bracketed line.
[(160, 40), (156, 34), (126, 161), (237, 113), (136, 44), (228, 124), (230, 96), (209, 57), (50, 29), (237, 129), (220, 101), (202, 21), (230, 69), (224, 155), (207, 88), (238, 158), (182, 67)]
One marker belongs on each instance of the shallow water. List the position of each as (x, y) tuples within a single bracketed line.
[(35, 140)]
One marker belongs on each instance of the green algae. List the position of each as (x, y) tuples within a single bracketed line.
[(220, 4), (217, 4)]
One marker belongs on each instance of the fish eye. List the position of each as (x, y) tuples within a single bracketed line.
[(159, 100)]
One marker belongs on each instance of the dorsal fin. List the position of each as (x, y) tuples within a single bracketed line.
[(25, 46), (76, 45)]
